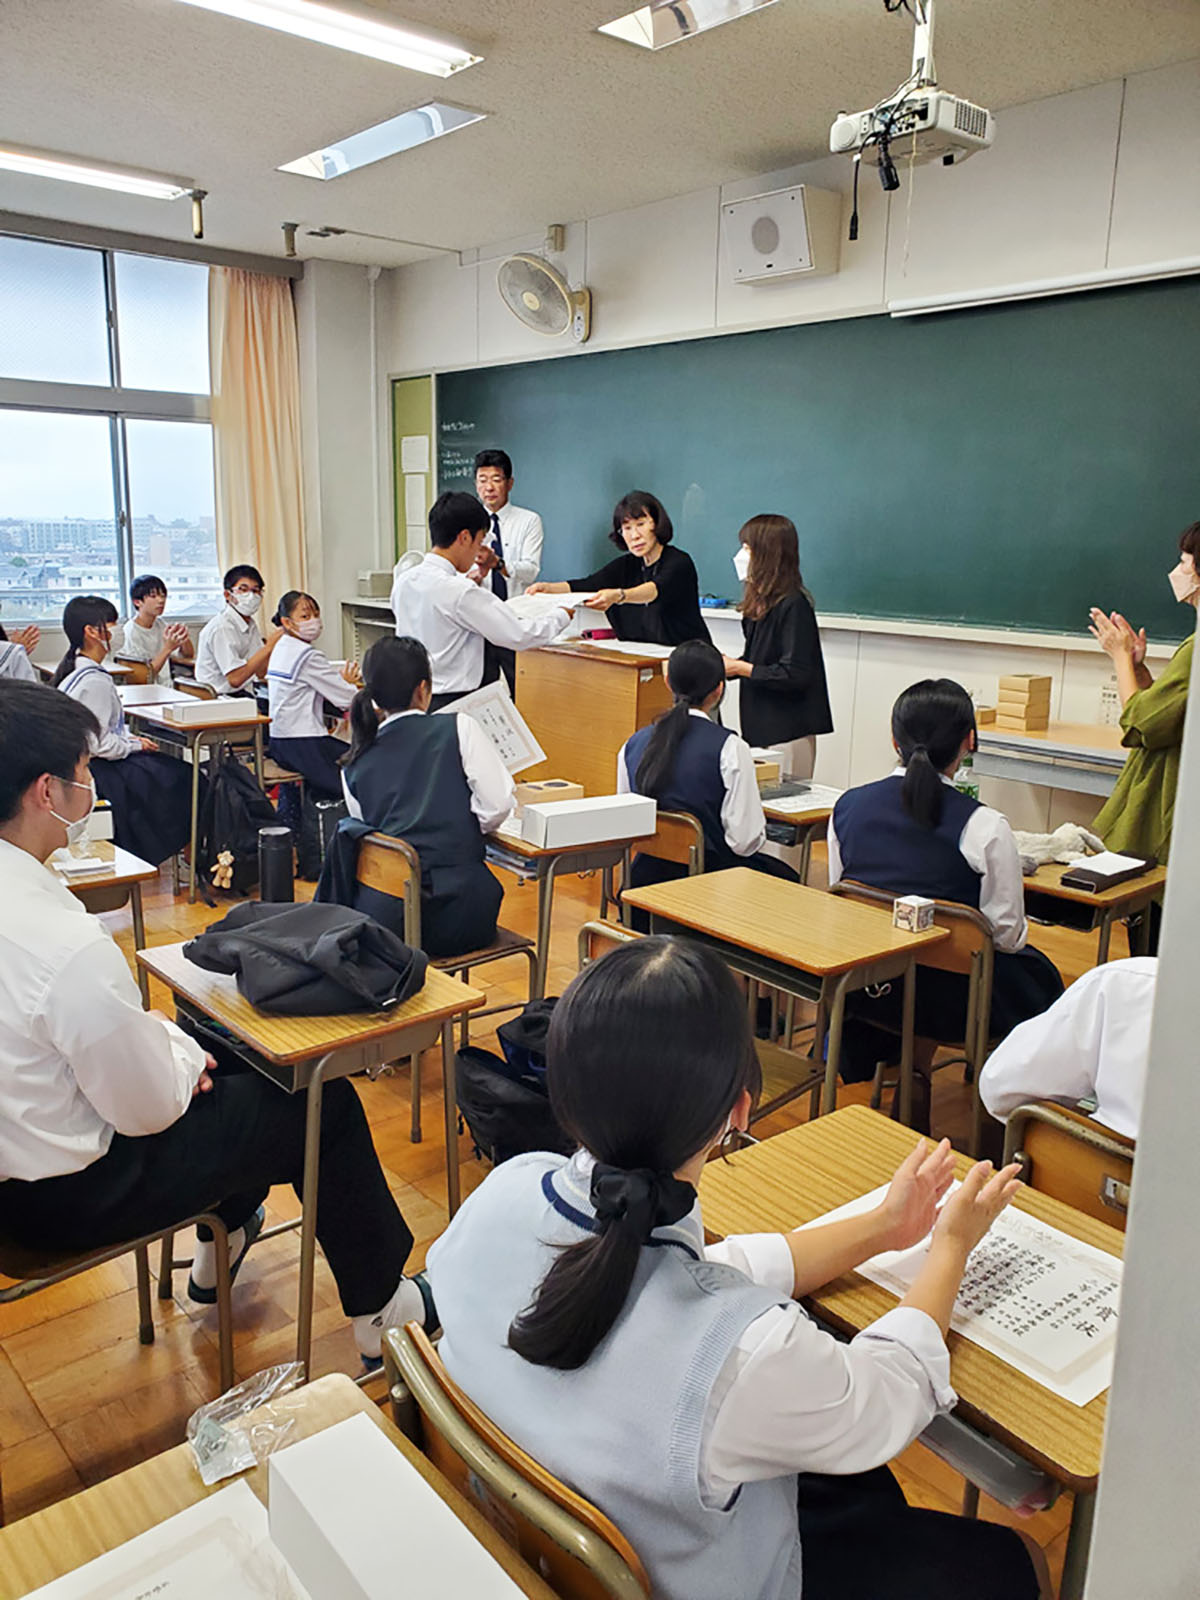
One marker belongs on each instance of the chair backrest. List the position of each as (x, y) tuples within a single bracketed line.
[(677, 837), (575, 1547), (970, 942), (139, 670), (1072, 1158), (193, 686), (596, 939), (393, 867)]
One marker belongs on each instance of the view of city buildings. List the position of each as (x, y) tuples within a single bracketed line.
[(44, 562)]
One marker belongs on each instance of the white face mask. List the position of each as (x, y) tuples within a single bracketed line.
[(1184, 581), (246, 604), (309, 630), (741, 563), (77, 829)]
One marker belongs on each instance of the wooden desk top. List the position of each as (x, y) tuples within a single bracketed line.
[(1090, 740), (212, 719), (290, 1039), (1048, 880), (122, 868), (624, 653), (807, 1171), (541, 852), (151, 694), (114, 668), (56, 1541), (785, 922), (803, 819)]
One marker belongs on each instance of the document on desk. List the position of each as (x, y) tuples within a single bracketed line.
[(1045, 1303), (492, 707), (817, 797), (219, 1547)]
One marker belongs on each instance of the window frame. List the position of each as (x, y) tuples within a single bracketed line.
[(119, 405)]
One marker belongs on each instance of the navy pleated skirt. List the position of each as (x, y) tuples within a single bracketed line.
[(151, 798), (316, 760)]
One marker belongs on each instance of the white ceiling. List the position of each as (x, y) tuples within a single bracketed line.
[(579, 125)]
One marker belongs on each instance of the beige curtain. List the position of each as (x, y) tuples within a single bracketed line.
[(256, 426)]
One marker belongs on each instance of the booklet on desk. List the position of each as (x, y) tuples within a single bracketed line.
[(1105, 871)]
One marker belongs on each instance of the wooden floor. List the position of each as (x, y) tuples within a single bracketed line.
[(81, 1399)]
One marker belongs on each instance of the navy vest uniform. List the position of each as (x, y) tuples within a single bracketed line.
[(695, 785)]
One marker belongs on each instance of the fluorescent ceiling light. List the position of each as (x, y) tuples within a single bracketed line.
[(36, 164), (356, 29), (667, 21), (404, 132)]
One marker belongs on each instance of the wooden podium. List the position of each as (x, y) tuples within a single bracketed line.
[(583, 702)]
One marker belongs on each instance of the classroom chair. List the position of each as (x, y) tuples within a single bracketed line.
[(1072, 1158), (26, 1272), (139, 670), (969, 951), (579, 1552), (785, 1075), (189, 685), (393, 868), (677, 838)]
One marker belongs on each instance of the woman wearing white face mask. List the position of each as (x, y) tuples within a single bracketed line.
[(1138, 814), (150, 793), (299, 680), (783, 699)]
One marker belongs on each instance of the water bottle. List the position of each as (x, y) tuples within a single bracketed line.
[(965, 780)]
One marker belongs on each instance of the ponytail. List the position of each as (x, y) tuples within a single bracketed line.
[(648, 1053), (694, 670), (289, 603), (393, 671), (83, 612), (930, 723)]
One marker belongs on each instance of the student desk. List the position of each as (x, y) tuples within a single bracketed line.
[(215, 727), (120, 673), (120, 883), (302, 1053), (514, 854), (807, 1171), (803, 941), (792, 827), (1047, 897), (151, 694), (583, 701), (53, 1542), (1084, 757)]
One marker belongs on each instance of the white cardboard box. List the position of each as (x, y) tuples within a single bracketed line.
[(355, 1520), (591, 821), (221, 709)]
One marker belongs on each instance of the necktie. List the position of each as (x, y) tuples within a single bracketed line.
[(499, 581)]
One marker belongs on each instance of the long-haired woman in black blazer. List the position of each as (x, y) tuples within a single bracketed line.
[(783, 697)]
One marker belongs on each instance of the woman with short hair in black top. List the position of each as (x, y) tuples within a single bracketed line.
[(650, 591), (783, 698)]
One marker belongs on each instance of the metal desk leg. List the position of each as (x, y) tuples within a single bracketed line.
[(450, 1109), (1106, 922), (308, 1220), (139, 941), (259, 768), (1079, 1542), (908, 1015), (805, 854), (194, 744), (837, 1015), (545, 885), (1139, 941)]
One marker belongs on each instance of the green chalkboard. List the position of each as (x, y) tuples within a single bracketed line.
[(1008, 466)]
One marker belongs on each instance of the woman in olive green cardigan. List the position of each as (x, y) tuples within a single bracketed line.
[(1138, 814)]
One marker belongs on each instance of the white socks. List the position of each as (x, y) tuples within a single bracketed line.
[(204, 1262), (406, 1305)]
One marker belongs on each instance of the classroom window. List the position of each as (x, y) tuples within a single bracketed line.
[(106, 452)]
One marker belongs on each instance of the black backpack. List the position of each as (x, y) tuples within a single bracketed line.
[(504, 1101), (234, 809)]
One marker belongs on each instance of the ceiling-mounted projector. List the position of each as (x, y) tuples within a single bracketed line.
[(923, 121)]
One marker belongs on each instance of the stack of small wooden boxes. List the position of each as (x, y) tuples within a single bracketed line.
[(1024, 703)]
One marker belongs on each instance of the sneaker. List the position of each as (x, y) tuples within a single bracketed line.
[(382, 1322)]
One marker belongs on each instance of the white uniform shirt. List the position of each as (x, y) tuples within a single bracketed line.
[(521, 536), (79, 1058), (226, 641), (452, 616), (143, 644), (988, 847), (1093, 1041), (791, 1397), (15, 662), (94, 688), (489, 780), (742, 818), (299, 678)]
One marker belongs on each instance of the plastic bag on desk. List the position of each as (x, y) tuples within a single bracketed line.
[(223, 1437)]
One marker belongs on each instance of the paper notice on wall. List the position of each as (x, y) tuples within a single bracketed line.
[(414, 498), (1045, 1303), (219, 1547), (493, 709), (414, 453)]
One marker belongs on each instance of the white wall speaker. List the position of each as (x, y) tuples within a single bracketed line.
[(783, 234)]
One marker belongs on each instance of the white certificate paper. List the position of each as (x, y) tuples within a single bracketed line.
[(493, 709)]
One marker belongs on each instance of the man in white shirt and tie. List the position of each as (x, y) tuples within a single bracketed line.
[(114, 1123), (455, 618), (512, 554)]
